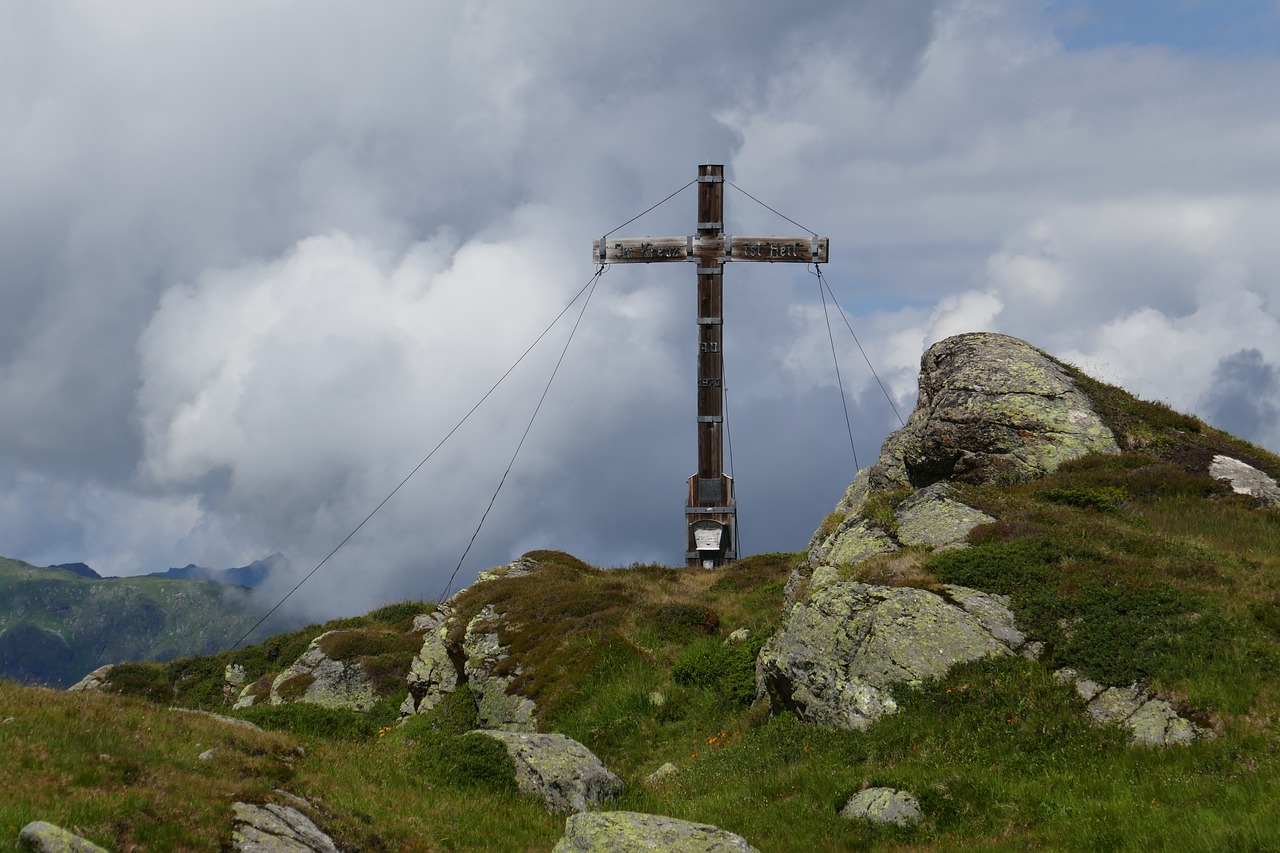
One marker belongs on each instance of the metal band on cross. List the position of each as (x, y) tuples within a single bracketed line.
[(711, 513)]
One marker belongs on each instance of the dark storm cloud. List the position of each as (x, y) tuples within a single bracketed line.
[(1244, 395), (259, 258)]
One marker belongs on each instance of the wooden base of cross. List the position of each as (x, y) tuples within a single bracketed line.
[(711, 514)]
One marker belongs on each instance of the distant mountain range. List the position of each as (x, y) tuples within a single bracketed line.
[(58, 623), (251, 576)]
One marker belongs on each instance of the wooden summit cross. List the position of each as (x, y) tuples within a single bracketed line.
[(711, 514)]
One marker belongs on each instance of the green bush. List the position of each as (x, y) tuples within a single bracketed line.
[(1102, 499), (470, 760), (678, 620), (308, 720), (728, 670)]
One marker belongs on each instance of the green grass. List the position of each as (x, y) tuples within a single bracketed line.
[(1128, 568)]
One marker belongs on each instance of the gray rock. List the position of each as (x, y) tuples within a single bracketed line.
[(1156, 723), (883, 805), (1150, 721), (41, 837), (561, 772), (207, 755), (932, 516), (1114, 705), (837, 654), (433, 672), (991, 409), (855, 540), (661, 775), (496, 708), (1245, 479), (739, 636), (330, 683), (94, 682), (634, 832), (274, 828)]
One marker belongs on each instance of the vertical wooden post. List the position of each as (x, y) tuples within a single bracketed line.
[(711, 510)]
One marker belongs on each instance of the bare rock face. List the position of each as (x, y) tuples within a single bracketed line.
[(1245, 479), (634, 832), (838, 653), (557, 769), (274, 828), (496, 708), (94, 682), (433, 672), (319, 679), (991, 409)]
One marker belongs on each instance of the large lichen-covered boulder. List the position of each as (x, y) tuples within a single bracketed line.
[(317, 678), (635, 832), (563, 773), (991, 409), (838, 653), (496, 707)]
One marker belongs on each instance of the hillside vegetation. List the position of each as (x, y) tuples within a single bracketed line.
[(56, 625), (1129, 567)]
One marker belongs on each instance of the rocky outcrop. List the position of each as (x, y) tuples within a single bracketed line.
[(883, 805), (992, 409), (41, 837), (1244, 479), (319, 679), (558, 770), (442, 665), (496, 708), (274, 828), (634, 832), (838, 653), (1151, 721), (94, 682), (931, 516), (433, 672)]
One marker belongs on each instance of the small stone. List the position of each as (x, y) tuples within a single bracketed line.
[(208, 754), (1114, 705), (1088, 689), (883, 805), (660, 775), (739, 636), (657, 698), (634, 832), (41, 837)]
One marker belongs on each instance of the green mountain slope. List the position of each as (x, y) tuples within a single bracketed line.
[(56, 625)]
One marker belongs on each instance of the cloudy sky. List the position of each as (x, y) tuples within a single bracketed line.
[(257, 258)]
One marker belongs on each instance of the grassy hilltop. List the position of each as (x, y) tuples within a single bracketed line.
[(1133, 567)]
